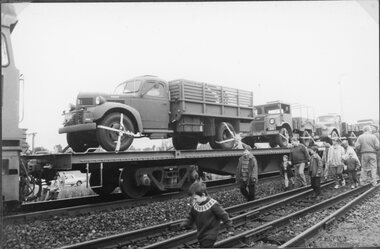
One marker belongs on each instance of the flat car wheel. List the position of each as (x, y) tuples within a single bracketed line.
[(283, 137), (223, 133), (110, 182), (108, 139), (128, 184)]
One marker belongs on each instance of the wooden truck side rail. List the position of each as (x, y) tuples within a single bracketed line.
[(201, 99)]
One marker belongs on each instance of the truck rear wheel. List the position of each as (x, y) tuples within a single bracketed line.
[(214, 144), (306, 139), (223, 133), (108, 139), (184, 142)]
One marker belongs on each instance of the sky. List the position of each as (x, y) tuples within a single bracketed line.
[(321, 54)]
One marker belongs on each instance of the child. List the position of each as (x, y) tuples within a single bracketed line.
[(247, 174), (206, 213), (315, 171), (287, 172), (352, 168)]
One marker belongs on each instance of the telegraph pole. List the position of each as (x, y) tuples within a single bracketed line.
[(33, 136)]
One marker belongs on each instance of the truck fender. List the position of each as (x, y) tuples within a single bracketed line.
[(287, 125), (101, 110)]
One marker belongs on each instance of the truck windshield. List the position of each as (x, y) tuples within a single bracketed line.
[(326, 119), (129, 87), (276, 109)]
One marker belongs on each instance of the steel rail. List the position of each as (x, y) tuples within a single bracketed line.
[(189, 237), (87, 208), (241, 239), (255, 209), (301, 238), (88, 204)]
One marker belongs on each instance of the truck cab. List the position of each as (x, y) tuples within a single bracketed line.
[(328, 126), (139, 105), (272, 123)]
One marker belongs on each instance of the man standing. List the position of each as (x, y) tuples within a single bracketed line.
[(247, 174), (335, 162), (368, 146), (300, 157)]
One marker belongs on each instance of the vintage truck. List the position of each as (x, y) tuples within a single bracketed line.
[(331, 126), (274, 123), (190, 112)]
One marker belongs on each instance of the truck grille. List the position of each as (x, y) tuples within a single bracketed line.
[(258, 126), (77, 118), (85, 101)]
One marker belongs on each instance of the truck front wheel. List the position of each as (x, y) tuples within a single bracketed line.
[(283, 137), (108, 139)]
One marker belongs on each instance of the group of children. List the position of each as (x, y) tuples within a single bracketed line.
[(317, 170), (206, 213)]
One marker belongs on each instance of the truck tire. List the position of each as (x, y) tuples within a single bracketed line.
[(222, 134), (184, 142), (283, 141), (214, 144), (108, 139), (78, 142), (334, 134), (306, 141)]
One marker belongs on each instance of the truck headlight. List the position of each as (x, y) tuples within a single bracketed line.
[(100, 100), (271, 121)]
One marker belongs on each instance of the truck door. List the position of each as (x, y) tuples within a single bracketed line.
[(153, 105)]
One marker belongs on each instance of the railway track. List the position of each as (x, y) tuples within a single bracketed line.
[(76, 206), (337, 205), (168, 235)]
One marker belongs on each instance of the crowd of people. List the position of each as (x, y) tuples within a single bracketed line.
[(337, 160)]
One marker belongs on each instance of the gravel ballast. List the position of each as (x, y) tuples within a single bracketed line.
[(360, 228)]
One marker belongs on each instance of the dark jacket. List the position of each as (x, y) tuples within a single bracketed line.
[(288, 170), (299, 154), (252, 169), (207, 216), (316, 166), (352, 164)]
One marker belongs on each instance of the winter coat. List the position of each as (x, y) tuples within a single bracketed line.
[(335, 156), (352, 164), (299, 154), (252, 169), (367, 143), (207, 216), (316, 166), (288, 169)]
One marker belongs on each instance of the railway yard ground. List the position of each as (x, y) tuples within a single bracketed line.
[(360, 227)]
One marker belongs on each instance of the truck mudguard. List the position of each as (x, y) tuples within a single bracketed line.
[(100, 110)]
